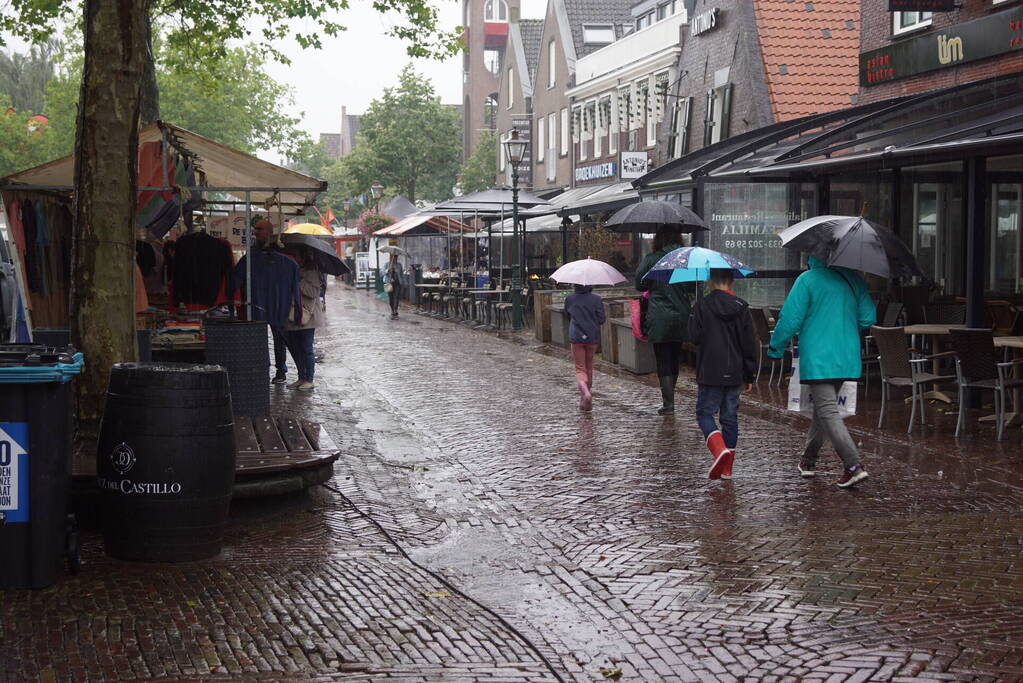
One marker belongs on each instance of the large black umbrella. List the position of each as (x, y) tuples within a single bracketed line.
[(323, 255), (852, 242), (651, 215)]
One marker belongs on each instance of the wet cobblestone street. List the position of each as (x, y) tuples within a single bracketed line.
[(591, 540)]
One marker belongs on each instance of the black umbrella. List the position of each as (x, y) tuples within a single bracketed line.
[(651, 215), (323, 255), (852, 242)]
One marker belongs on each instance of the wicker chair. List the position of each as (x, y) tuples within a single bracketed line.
[(763, 334), (892, 313), (977, 368), (899, 369)]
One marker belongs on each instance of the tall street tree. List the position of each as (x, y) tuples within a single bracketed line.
[(410, 141), (117, 59)]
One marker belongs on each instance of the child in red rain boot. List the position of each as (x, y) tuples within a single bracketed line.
[(586, 314), (721, 328)]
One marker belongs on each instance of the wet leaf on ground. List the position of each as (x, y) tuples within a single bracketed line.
[(612, 674), (436, 594)]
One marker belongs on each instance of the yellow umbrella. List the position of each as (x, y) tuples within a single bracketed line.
[(309, 229)]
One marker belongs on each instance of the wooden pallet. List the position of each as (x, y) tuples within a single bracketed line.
[(275, 444), (264, 445)]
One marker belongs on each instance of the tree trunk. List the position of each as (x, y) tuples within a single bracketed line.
[(149, 111), (106, 172)]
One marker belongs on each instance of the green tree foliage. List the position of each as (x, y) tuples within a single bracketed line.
[(201, 30), (480, 169), (24, 141), (24, 76)]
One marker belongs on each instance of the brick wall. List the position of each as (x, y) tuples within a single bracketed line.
[(877, 32)]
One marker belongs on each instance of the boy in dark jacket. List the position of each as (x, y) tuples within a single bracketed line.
[(722, 330), (585, 312)]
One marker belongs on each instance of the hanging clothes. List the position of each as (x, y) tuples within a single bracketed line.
[(275, 285), (202, 263)]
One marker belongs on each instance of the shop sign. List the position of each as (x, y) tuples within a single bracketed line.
[(524, 125), (704, 21), (596, 172), (921, 5), (969, 41), (634, 164)]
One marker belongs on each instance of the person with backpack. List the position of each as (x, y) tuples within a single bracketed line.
[(827, 307), (585, 312), (722, 330)]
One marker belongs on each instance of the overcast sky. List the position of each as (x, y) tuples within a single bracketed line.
[(354, 68)]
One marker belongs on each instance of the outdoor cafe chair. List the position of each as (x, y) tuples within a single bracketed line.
[(891, 315), (763, 333), (900, 369), (977, 368)]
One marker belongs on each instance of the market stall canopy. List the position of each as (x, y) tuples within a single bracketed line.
[(399, 208), (423, 225), (497, 195), (226, 169)]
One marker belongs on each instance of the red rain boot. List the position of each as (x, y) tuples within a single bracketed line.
[(586, 398), (726, 471), (722, 456)]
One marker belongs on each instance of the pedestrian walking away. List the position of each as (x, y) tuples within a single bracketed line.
[(667, 317), (827, 307), (392, 284), (586, 314), (722, 330), (300, 330)]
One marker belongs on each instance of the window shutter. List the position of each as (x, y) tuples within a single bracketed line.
[(726, 107), (708, 120), (683, 140)]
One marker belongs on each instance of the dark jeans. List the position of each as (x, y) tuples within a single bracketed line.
[(723, 402), (300, 343), (668, 355), (280, 350), (394, 296)]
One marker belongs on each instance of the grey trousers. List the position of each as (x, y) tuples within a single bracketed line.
[(828, 425)]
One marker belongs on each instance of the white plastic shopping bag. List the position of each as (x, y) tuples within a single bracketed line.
[(800, 400)]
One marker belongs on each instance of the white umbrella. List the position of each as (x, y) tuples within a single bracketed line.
[(391, 249), (588, 272)]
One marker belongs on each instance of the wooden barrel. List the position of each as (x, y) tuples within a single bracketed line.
[(165, 461)]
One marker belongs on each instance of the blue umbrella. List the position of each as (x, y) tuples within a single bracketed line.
[(693, 264)]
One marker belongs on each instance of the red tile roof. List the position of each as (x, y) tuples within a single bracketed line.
[(807, 71)]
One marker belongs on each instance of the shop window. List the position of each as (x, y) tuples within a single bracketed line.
[(598, 34), (492, 60), (495, 10), (1006, 199), (552, 65), (603, 122), (715, 124), (678, 138), (614, 127), (642, 108), (541, 138), (564, 132), (903, 22), (625, 108), (552, 145), (933, 204)]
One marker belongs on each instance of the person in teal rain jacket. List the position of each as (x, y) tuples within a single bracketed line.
[(826, 309)]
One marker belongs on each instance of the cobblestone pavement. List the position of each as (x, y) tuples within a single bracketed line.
[(595, 536)]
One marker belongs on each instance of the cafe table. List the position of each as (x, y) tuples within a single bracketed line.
[(935, 332), (1015, 418)]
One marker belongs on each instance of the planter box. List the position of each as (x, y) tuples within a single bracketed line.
[(559, 325), (634, 355), (608, 336)]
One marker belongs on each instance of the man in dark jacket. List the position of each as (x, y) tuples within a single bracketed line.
[(721, 328)]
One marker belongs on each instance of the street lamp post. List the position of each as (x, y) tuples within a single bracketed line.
[(376, 189), (346, 205), (515, 150)]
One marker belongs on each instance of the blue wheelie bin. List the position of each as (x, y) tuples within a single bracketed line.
[(37, 534)]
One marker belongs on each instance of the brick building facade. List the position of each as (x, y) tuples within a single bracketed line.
[(485, 39), (921, 31)]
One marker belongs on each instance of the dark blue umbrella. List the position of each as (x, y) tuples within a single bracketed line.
[(693, 264)]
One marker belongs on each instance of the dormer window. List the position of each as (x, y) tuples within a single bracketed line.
[(495, 10), (598, 34)]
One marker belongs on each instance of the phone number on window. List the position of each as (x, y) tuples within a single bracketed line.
[(748, 244)]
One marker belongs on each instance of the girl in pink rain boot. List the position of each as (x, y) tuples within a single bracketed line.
[(585, 312)]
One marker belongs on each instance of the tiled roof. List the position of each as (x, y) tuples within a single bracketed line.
[(811, 54), (596, 12), (530, 30)]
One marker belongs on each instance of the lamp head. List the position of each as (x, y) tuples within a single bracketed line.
[(515, 148), (376, 189)]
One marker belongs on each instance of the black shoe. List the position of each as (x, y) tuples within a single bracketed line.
[(666, 410), (279, 378), (806, 468)]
